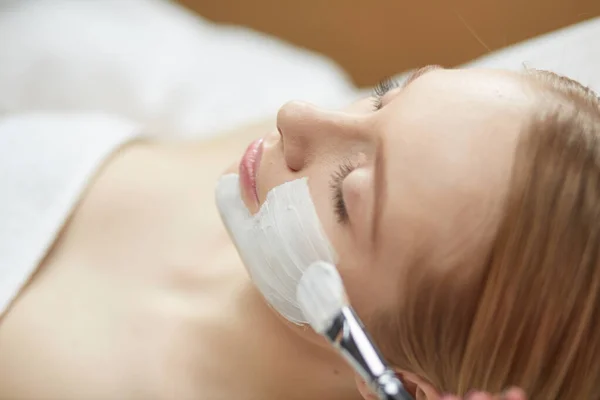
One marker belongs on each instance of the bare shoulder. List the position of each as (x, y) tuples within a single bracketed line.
[(96, 311)]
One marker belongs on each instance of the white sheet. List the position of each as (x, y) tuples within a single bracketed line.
[(573, 51), (153, 62), (42, 179), (173, 72)]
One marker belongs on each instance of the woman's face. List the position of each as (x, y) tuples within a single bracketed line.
[(419, 176)]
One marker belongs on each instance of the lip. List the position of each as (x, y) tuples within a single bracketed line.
[(248, 170)]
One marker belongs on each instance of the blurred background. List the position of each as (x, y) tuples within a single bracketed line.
[(376, 38), (197, 68)]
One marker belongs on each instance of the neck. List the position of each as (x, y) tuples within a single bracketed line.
[(295, 355), (252, 346), (273, 358)]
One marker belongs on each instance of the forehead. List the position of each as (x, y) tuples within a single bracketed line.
[(449, 143)]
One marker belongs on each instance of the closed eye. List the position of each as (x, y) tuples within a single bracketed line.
[(388, 84), (337, 179), (380, 90)]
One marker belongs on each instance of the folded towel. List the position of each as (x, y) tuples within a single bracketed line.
[(46, 161)]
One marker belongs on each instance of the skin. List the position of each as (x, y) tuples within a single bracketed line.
[(143, 295), (447, 140)]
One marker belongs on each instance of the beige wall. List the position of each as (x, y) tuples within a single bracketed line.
[(375, 38)]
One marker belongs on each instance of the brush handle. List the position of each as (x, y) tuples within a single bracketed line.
[(390, 387), (349, 335)]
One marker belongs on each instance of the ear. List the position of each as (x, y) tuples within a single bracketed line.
[(422, 390)]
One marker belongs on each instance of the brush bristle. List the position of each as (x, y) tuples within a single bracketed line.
[(321, 295)]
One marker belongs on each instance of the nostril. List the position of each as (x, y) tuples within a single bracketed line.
[(294, 169)]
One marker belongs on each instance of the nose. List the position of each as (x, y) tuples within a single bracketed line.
[(308, 131)]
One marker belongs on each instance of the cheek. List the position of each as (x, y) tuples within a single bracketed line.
[(366, 287), (353, 265), (358, 195), (373, 285), (362, 278), (361, 275)]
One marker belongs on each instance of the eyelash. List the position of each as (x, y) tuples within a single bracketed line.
[(380, 90), (337, 178), (347, 167)]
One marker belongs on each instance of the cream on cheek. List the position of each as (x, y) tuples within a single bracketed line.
[(279, 242)]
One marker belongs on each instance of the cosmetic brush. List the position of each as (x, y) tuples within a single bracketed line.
[(322, 298)]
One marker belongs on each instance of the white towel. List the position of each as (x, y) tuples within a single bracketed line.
[(155, 63), (46, 161)]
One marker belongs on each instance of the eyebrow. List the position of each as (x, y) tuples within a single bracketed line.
[(417, 73), (380, 158)]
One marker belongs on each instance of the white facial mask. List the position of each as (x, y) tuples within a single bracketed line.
[(277, 243)]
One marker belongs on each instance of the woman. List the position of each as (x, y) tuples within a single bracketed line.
[(462, 206)]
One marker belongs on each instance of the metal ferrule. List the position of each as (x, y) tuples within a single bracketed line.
[(349, 336)]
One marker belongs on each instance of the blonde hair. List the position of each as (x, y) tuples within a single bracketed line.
[(530, 316)]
